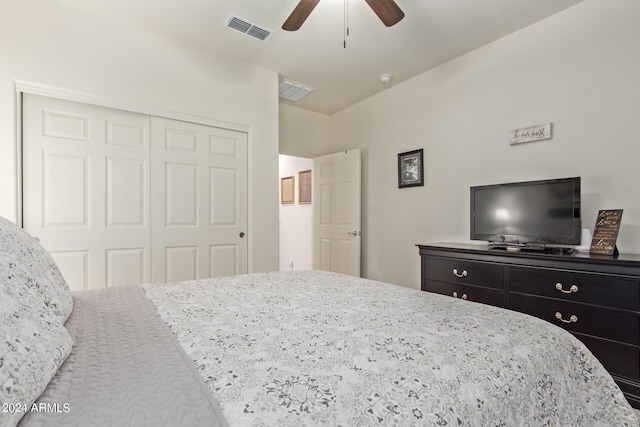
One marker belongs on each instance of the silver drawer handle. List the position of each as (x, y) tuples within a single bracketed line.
[(573, 288), (464, 296), (463, 274), (572, 319)]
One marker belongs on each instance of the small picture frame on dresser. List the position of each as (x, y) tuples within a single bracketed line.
[(605, 233)]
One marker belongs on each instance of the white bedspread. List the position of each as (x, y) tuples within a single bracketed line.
[(318, 348)]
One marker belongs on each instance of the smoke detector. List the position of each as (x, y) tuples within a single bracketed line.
[(385, 78)]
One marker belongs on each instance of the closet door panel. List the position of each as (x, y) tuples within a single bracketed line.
[(126, 266), (65, 183), (181, 263), (200, 202), (125, 203), (86, 189), (181, 195)]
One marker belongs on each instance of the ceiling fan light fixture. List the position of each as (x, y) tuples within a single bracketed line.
[(387, 10)]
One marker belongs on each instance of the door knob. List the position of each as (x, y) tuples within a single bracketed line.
[(241, 234)]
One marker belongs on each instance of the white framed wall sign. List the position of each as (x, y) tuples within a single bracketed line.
[(529, 134)]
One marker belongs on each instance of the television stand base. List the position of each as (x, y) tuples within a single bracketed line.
[(522, 247)]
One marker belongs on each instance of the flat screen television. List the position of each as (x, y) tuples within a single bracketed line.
[(527, 214)]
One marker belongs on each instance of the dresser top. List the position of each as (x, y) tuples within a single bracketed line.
[(620, 260)]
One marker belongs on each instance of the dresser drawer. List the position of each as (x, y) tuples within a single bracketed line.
[(602, 292), (620, 359), (462, 271), (466, 292), (611, 291), (600, 322)]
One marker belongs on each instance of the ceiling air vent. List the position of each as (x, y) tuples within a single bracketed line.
[(247, 28), (289, 89)]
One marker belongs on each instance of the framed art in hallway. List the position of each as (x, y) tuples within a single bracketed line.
[(287, 193), (410, 169), (304, 187)]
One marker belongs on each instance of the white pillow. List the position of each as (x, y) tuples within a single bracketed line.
[(41, 272), (33, 342)]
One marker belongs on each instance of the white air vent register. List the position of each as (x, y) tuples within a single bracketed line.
[(289, 89), (247, 28)]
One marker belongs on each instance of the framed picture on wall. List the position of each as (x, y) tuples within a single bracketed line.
[(287, 193), (410, 169), (304, 187)]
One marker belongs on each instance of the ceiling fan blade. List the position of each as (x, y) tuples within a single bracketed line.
[(387, 10), (299, 15)]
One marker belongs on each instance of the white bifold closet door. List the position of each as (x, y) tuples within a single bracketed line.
[(199, 213), (115, 199)]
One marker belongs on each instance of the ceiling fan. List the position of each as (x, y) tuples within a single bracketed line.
[(387, 10)]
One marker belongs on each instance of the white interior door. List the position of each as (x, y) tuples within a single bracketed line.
[(337, 232), (199, 202), (86, 189)]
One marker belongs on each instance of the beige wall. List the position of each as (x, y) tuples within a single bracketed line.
[(50, 44), (303, 133), (578, 69)]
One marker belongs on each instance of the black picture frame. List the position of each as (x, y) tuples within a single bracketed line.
[(411, 169), (605, 233)]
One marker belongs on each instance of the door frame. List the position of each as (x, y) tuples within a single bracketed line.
[(22, 87), (290, 231)]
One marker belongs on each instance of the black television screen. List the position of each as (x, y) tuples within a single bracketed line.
[(533, 212)]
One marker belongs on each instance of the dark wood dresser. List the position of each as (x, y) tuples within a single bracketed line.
[(596, 298)]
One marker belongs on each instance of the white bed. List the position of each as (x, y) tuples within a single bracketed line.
[(284, 349)]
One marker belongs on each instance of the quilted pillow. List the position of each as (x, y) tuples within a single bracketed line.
[(41, 272), (33, 342)]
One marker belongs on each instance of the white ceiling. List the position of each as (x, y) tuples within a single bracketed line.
[(432, 32)]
